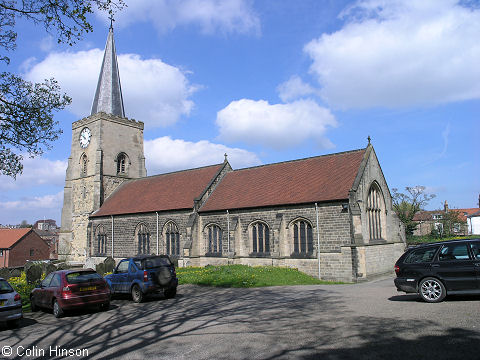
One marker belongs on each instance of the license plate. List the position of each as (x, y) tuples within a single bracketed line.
[(89, 288), (2, 302)]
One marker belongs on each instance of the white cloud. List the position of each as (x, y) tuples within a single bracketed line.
[(277, 126), (294, 88), (165, 154), (35, 203), (163, 87), (400, 53), (36, 172), (212, 16), (31, 209)]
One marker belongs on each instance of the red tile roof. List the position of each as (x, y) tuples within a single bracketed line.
[(172, 191), (321, 178), (428, 215), (8, 237)]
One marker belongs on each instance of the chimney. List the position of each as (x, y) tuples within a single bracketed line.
[(445, 206), (479, 200)]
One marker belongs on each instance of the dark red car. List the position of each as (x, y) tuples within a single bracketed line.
[(71, 289)]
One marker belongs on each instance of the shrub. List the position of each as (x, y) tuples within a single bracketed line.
[(15, 273)]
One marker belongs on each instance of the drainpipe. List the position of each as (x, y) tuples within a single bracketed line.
[(157, 230), (228, 232), (112, 235), (318, 240)]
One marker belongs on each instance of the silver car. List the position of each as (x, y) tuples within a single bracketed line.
[(10, 304)]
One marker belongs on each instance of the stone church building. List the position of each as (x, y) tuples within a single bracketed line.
[(328, 215)]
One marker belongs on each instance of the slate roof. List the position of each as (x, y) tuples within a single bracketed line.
[(9, 237), (316, 179), (172, 191), (108, 96)]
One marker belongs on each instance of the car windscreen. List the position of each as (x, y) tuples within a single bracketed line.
[(5, 287), (156, 262), (82, 277)]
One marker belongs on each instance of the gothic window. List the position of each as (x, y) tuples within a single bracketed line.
[(260, 238), (143, 239), (122, 164), (172, 239), (101, 237), (83, 164), (302, 238), (214, 240), (374, 212)]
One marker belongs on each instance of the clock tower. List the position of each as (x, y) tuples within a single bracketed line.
[(106, 150)]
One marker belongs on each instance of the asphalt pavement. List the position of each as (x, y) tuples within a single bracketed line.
[(358, 321)]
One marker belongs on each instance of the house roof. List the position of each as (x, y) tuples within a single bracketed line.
[(172, 191), (9, 237), (428, 215), (475, 214), (320, 178)]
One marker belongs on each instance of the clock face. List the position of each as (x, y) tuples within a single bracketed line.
[(85, 136)]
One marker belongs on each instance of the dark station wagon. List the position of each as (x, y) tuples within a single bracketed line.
[(439, 269)]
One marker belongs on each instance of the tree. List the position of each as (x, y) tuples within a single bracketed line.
[(26, 109), (406, 205), (452, 223)]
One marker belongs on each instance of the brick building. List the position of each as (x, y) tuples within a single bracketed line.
[(330, 213), (17, 246)]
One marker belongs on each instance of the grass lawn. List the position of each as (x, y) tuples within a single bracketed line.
[(245, 276)]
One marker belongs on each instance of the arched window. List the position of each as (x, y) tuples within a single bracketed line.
[(375, 205), (172, 239), (122, 164), (214, 240), (260, 238), (101, 237), (143, 238), (83, 164), (302, 237)]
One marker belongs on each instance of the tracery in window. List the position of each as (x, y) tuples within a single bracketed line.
[(375, 204), (122, 164), (302, 237), (214, 238), (260, 237), (143, 239), (172, 239), (101, 237)]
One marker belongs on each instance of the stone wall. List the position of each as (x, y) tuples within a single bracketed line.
[(125, 242)]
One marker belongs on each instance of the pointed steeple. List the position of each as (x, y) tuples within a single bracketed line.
[(108, 97)]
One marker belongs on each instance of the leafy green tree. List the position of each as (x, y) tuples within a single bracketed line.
[(452, 223), (26, 109), (407, 204)]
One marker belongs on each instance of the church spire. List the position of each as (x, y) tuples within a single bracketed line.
[(108, 97)]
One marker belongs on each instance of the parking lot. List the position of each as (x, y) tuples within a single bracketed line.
[(360, 321)]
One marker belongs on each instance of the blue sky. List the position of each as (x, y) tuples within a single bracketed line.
[(268, 81)]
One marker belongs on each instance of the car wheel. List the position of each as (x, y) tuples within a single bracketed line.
[(137, 294), (33, 306), (164, 276), (105, 306), (432, 290), (57, 310), (170, 292)]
